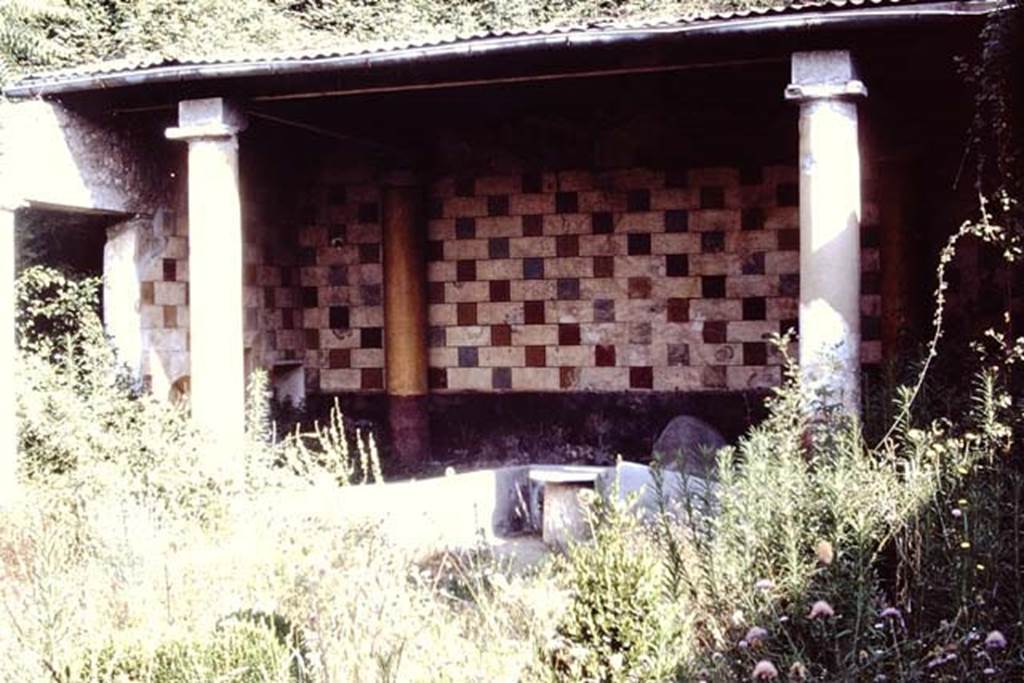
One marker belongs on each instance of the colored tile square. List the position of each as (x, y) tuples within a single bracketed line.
[(437, 378), (533, 312), (371, 295), (501, 290), (533, 269), (755, 353), (604, 356), (339, 358), (677, 310), (568, 289), (639, 244), (604, 310), (369, 253), (677, 265), (569, 334), (435, 292), (310, 299), (753, 264), (287, 318), (752, 219), (871, 282), (789, 284), (501, 335), (602, 223), (532, 183), (465, 228), (714, 332), (641, 377), (497, 205), (466, 313), (567, 245), (533, 225), (714, 377), (147, 292), (754, 308), (566, 202), (638, 200), (371, 378), (870, 236), (312, 339), (465, 271), (337, 276), (497, 247), (269, 297), (469, 357), (170, 267), (339, 317), (171, 318), (371, 338), (678, 355), (369, 212), (639, 287), (536, 356), (712, 242), (789, 239), (604, 266), (712, 286), (568, 378), (712, 197), (437, 336), (789, 325), (787, 194), (501, 378), (870, 328), (677, 220)]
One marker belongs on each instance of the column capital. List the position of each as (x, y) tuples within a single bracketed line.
[(824, 74), (210, 118)]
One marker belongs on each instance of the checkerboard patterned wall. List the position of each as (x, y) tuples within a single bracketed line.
[(629, 280)]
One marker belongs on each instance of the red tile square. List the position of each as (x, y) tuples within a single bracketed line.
[(170, 317), (465, 271), (371, 378), (501, 335), (568, 378), (536, 356), (533, 312), (435, 292), (568, 334), (312, 340), (604, 356), (641, 378), (533, 226), (678, 311), (501, 290), (147, 292), (639, 288), (604, 266), (437, 378), (567, 245), (714, 332), (466, 313), (339, 358)]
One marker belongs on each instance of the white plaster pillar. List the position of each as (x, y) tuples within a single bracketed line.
[(210, 126), (122, 293), (826, 86), (8, 429)]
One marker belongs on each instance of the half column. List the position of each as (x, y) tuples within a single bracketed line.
[(210, 127), (8, 428), (405, 319)]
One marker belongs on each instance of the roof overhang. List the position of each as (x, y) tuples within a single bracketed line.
[(846, 17)]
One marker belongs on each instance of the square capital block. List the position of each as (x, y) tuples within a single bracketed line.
[(206, 118), (824, 74)]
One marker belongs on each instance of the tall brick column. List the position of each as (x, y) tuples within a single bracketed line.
[(826, 86), (8, 433), (405, 318), (210, 127)]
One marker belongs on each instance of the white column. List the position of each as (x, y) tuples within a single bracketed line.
[(8, 433), (210, 127), (826, 86)]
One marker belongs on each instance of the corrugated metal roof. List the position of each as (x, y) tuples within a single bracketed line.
[(354, 50)]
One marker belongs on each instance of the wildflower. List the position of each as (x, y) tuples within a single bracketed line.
[(764, 671), (616, 661), (821, 610), (755, 635), (957, 512), (995, 641), (743, 644), (797, 672), (938, 661), (824, 552), (965, 545), (738, 618), (890, 613), (764, 585), (989, 671)]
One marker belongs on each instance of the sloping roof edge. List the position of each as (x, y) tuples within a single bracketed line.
[(833, 13)]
